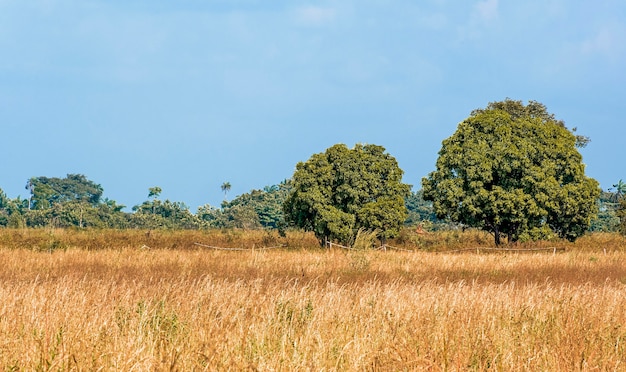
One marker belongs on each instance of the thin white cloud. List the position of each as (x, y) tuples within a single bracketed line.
[(483, 16), (608, 41), (486, 10), (315, 15)]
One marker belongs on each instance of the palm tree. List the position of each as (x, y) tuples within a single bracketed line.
[(620, 190), (154, 192), (225, 188)]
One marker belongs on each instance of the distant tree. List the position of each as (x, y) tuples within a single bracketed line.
[(210, 216), (4, 209), (266, 204), (620, 190), (513, 170), (45, 191), (338, 192), (152, 214), (166, 214), (154, 193), (225, 188), (606, 220), (31, 189), (419, 210), (621, 213)]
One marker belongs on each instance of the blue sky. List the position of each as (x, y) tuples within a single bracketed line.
[(189, 94)]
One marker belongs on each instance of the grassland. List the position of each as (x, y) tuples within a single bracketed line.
[(144, 301)]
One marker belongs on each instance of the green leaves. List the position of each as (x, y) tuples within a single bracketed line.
[(337, 192), (75, 187), (513, 169)]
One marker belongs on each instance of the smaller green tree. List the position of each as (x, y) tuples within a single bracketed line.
[(338, 192)]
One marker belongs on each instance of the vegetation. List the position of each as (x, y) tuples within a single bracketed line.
[(173, 306), (513, 169), (88, 286), (621, 214), (225, 188), (342, 190), (510, 169)]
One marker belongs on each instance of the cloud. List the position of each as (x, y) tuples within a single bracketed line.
[(486, 10), (482, 18), (314, 15), (607, 41)]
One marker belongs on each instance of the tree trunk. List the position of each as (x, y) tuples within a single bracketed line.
[(496, 235)]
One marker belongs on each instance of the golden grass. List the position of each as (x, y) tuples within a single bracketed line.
[(127, 308)]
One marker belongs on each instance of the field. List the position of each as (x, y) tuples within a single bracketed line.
[(139, 301)]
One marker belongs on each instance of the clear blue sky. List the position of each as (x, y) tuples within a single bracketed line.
[(189, 94)]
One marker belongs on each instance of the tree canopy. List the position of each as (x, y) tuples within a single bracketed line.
[(513, 169), (339, 191), (252, 210), (45, 191)]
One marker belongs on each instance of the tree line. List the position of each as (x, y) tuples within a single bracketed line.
[(511, 169)]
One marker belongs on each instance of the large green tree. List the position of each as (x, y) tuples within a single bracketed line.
[(514, 170), (339, 191)]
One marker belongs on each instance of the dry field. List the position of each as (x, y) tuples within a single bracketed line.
[(99, 301)]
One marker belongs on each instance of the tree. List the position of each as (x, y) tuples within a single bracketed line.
[(166, 214), (533, 109), (606, 219), (621, 213), (418, 209), (4, 206), (266, 204), (45, 191), (513, 170), (338, 192), (620, 190), (154, 192), (225, 188)]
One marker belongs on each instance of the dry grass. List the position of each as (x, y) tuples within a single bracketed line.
[(126, 308)]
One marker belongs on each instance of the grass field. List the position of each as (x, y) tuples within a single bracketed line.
[(139, 301)]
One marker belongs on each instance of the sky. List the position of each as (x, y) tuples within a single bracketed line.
[(189, 94)]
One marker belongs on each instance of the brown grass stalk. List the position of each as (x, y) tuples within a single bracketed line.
[(126, 308)]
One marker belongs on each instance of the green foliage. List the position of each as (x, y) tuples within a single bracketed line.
[(606, 220), (337, 192), (514, 170), (620, 190), (419, 210), (154, 192), (4, 203), (225, 188), (621, 213), (153, 214), (256, 209), (45, 192)]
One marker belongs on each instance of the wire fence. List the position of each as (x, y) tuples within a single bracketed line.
[(239, 249), (386, 247)]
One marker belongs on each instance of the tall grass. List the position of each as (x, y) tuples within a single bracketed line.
[(190, 308)]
